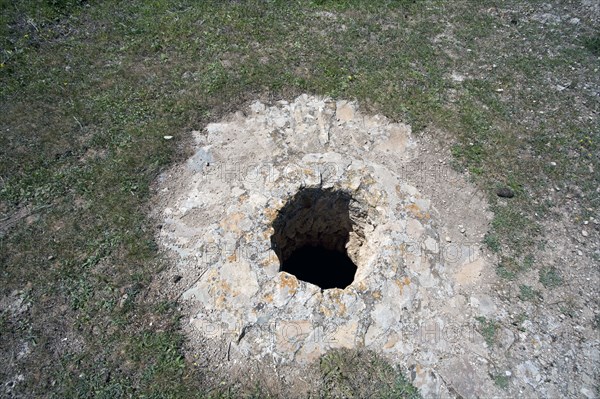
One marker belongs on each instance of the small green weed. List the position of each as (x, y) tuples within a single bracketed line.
[(359, 373), (501, 381), (527, 293), (550, 277), (492, 242), (593, 44), (488, 329)]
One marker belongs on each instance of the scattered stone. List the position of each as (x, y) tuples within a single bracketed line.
[(176, 278), (485, 305), (529, 373), (547, 18), (168, 137), (122, 303), (506, 338), (462, 374), (505, 192), (457, 77), (584, 233)]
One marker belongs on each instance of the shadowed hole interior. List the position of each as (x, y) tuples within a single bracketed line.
[(311, 232)]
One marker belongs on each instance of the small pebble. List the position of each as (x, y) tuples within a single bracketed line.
[(505, 192), (553, 163), (168, 137), (448, 239), (584, 233)]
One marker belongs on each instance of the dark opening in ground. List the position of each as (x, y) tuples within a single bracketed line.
[(311, 232)]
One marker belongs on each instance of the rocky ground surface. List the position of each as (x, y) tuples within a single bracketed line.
[(425, 294), (506, 93)]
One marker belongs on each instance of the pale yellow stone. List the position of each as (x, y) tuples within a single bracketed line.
[(397, 140), (290, 334), (345, 336), (309, 353), (470, 273), (344, 112), (232, 221), (414, 228), (391, 342)]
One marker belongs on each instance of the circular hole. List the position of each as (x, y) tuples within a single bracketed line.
[(310, 236)]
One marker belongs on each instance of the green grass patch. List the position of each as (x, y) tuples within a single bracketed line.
[(550, 277), (527, 293), (501, 381), (488, 329), (592, 43), (350, 373), (509, 268), (492, 241)]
